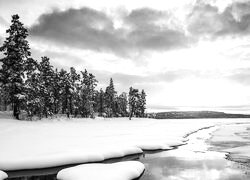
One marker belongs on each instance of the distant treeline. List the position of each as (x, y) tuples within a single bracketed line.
[(39, 89)]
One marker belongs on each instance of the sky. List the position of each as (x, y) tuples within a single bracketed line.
[(185, 54)]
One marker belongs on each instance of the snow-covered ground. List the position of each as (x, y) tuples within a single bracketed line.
[(127, 170), (47, 143)]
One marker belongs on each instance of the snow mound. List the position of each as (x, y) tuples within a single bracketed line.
[(3, 175), (127, 170), (69, 157)]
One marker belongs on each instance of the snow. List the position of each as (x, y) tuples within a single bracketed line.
[(55, 142), (127, 170), (3, 175), (234, 139)]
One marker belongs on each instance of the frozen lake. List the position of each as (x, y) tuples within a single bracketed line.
[(200, 158)]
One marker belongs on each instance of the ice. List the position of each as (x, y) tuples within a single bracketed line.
[(3, 175), (234, 139), (127, 170), (55, 142)]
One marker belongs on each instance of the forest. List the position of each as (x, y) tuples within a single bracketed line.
[(35, 88)]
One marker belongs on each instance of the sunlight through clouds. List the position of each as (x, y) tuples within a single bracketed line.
[(183, 53)]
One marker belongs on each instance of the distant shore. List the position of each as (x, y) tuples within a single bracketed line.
[(195, 115)]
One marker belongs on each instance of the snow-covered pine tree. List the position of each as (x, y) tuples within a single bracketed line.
[(75, 84), (16, 51), (101, 103), (133, 99), (56, 88), (46, 74), (33, 101), (66, 91), (122, 102), (88, 84), (110, 98), (142, 103)]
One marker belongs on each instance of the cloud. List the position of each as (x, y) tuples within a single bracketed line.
[(126, 80), (87, 28), (3, 22), (241, 76), (206, 19)]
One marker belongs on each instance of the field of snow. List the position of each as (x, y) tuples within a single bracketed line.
[(127, 170), (48, 143)]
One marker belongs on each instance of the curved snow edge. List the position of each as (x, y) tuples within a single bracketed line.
[(126, 170), (3, 175)]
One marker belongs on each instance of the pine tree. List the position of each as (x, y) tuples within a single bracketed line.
[(142, 103), (66, 92), (101, 102), (74, 99), (56, 89), (87, 94), (33, 103), (16, 50), (46, 83), (133, 99), (110, 98), (122, 102)]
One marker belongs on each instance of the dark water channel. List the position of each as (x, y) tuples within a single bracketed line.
[(193, 161)]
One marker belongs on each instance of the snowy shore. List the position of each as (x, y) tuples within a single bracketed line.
[(49, 143)]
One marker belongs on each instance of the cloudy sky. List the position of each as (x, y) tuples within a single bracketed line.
[(186, 54)]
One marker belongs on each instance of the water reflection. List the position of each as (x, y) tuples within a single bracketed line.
[(192, 162), (195, 166)]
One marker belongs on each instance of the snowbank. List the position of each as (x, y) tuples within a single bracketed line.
[(127, 170), (3, 175), (48, 143)]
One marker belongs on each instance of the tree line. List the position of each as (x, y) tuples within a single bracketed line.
[(39, 89)]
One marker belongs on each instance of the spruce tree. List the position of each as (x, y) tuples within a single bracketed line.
[(56, 89), (110, 98), (101, 102), (122, 102), (74, 99), (142, 103), (46, 83), (87, 94), (65, 92), (16, 51), (133, 99), (32, 103)]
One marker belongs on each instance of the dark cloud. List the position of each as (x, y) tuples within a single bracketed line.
[(90, 29), (83, 28), (149, 33), (206, 19)]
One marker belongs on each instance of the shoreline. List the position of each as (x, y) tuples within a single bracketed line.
[(54, 170), (172, 142)]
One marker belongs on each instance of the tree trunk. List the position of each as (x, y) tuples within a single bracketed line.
[(16, 110)]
